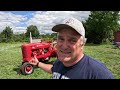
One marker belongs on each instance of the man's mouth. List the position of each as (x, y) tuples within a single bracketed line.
[(65, 52)]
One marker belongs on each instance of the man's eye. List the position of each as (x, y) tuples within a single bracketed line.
[(60, 39), (73, 41)]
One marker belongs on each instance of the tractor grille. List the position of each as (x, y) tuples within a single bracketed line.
[(24, 52)]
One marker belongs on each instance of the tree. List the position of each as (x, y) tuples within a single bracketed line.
[(7, 34), (34, 31), (100, 26), (20, 38), (54, 36)]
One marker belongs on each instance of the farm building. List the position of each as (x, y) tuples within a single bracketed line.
[(117, 36), (117, 39)]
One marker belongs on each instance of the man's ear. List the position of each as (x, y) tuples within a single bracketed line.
[(81, 42)]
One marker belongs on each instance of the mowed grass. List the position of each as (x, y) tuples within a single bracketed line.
[(11, 59)]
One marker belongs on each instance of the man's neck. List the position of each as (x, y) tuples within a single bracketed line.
[(73, 63)]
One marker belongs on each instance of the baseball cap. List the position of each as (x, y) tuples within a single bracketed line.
[(70, 22)]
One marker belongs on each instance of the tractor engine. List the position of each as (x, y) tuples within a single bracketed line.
[(40, 50)]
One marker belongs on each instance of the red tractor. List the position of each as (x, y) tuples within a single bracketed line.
[(43, 52)]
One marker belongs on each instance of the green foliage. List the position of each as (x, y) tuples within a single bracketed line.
[(34, 31), (49, 37), (101, 25), (20, 38), (54, 36), (6, 35)]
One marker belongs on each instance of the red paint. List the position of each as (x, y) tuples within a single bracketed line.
[(117, 36), (41, 50)]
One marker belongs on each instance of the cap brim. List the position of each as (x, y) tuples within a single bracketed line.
[(59, 27)]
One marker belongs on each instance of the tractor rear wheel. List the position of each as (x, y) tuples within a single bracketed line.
[(26, 68)]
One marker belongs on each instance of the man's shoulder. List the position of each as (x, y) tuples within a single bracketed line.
[(94, 63), (98, 68)]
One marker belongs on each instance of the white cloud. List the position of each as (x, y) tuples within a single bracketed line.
[(44, 20), (10, 19), (20, 30)]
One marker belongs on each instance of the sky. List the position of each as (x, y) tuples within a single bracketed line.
[(44, 20)]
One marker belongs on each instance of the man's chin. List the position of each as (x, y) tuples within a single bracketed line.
[(64, 59)]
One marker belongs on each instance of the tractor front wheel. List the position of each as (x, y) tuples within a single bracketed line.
[(26, 68)]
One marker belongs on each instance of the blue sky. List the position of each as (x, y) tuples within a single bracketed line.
[(44, 20), (28, 14)]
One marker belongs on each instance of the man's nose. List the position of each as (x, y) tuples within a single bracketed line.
[(65, 44)]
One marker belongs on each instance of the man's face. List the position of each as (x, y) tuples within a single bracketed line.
[(68, 45)]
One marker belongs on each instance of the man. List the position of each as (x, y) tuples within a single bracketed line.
[(71, 61)]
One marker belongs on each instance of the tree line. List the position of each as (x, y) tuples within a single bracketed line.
[(7, 35), (100, 27)]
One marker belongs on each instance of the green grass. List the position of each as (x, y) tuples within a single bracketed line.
[(11, 59)]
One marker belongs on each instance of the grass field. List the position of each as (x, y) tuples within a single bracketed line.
[(11, 58)]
